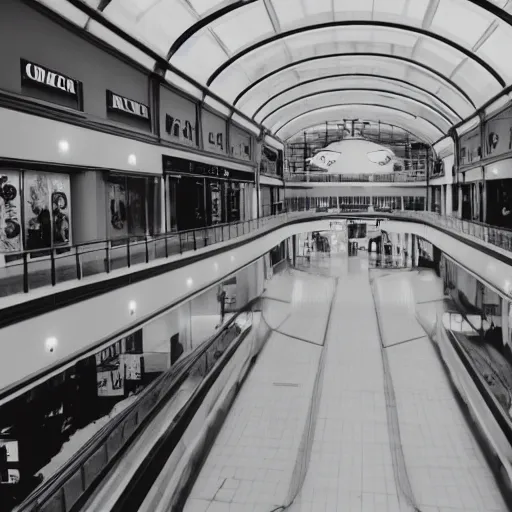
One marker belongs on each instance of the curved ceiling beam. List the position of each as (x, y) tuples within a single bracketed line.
[(415, 135), (420, 65), (359, 75), (361, 89), (486, 5), (356, 23), (379, 105)]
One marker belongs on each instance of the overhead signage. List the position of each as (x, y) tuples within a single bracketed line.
[(125, 105), (214, 132), (181, 166), (470, 150), (183, 131), (498, 134), (36, 74)]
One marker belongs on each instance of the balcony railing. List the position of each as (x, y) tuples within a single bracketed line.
[(49, 267), (322, 177)]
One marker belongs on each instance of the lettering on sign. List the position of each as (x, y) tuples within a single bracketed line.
[(216, 140), (127, 106), (173, 127), (35, 73)]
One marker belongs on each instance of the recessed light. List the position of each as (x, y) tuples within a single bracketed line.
[(63, 146), (132, 306), (132, 160), (50, 344)]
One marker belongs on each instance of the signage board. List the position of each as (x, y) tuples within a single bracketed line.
[(177, 118), (470, 149), (498, 134), (40, 75), (240, 144), (214, 132), (181, 166), (118, 103)]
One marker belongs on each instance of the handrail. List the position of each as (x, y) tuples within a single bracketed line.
[(123, 428), (76, 262), (60, 263), (323, 177)]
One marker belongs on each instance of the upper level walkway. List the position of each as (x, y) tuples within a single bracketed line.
[(84, 315), (409, 177)]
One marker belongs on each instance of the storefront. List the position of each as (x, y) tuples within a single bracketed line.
[(199, 194), (35, 210), (133, 205)]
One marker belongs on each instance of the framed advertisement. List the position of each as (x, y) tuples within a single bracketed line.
[(47, 210), (110, 382), (10, 211), (132, 364)]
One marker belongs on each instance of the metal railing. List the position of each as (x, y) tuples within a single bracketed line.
[(49, 267), (323, 177), (29, 270), (498, 236), (73, 483)]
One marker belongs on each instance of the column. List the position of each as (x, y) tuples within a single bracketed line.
[(449, 199), (442, 206), (505, 321), (163, 207), (402, 205), (459, 212)]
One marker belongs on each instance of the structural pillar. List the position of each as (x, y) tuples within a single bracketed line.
[(459, 212), (449, 200), (402, 207), (442, 206)]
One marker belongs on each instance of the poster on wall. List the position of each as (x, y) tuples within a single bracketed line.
[(10, 212), (117, 207), (38, 220), (47, 210), (498, 134), (240, 144), (60, 194), (110, 382), (132, 364), (9, 456)]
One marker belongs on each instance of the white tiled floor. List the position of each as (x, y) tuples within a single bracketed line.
[(351, 466)]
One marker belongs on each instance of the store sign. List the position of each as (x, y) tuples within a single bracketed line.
[(178, 129), (182, 166), (498, 134), (121, 104), (214, 132), (470, 149), (240, 144), (34, 73)]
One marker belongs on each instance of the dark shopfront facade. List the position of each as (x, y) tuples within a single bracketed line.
[(199, 195)]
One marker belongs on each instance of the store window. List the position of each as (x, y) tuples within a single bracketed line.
[(132, 203), (45, 203)]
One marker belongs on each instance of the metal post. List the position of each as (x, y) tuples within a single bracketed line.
[(52, 259), (128, 257), (147, 248), (78, 266), (195, 242), (25, 272)]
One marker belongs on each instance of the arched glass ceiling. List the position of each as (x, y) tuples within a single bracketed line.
[(457, 49), (369, 83), (322, 99), (421, 127)]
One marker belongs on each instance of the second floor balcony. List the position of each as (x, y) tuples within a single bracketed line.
[(323, 177)]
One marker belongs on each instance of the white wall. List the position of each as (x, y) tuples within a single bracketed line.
[(79, 326), (27, 137)]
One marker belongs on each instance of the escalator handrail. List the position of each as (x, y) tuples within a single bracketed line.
[(173, 378)]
